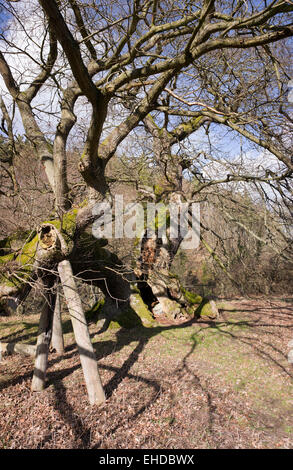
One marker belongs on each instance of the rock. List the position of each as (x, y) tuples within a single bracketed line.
[(214, 310), (158, 309)]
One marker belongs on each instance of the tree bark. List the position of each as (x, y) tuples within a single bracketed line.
[(57, 342), (44, 337), (87, 355), (67, 120)]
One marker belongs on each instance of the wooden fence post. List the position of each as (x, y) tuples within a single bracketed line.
[(57, 342), (44, 339), (88, 361)]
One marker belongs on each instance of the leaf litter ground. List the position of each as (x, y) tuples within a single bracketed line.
[(223, 383)]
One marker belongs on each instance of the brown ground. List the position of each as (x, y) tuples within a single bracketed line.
[(207, 384)]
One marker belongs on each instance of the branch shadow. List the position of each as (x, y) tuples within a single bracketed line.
[(142, 334)]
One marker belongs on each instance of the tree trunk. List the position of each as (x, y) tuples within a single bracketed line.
[(57, 342), (44, 336), (87, 355), (160, 290)]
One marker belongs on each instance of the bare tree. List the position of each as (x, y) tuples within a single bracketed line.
[(106, 54)]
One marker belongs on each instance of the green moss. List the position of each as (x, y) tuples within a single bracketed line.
[(140, 308), (158, 190), (127, 319), (15, 241), (6, 258), (84, 203), (49, 147), (135, 289), (114, 325), (136, 242), (27, 254), (69, 222), (27, 243), (160, 217), (191, 125), (204, 309), (173, 276), (67, 226), (191, 297), (22, 258), (136, 314), (84, 153)]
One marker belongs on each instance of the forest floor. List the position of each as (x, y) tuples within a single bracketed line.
[(223, 383)]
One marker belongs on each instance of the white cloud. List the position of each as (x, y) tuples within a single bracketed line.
[(25, 50)]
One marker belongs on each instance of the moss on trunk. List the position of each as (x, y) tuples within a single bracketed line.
[(22, 253), (132, 314)]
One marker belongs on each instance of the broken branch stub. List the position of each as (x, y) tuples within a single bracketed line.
[(52, 247)]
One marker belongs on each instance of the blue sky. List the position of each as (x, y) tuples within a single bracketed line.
[(224, 144), (4, 17)]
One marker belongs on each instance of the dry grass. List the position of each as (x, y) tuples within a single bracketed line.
[(213, 384)]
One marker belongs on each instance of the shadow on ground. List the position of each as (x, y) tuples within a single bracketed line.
[(142, 335)]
